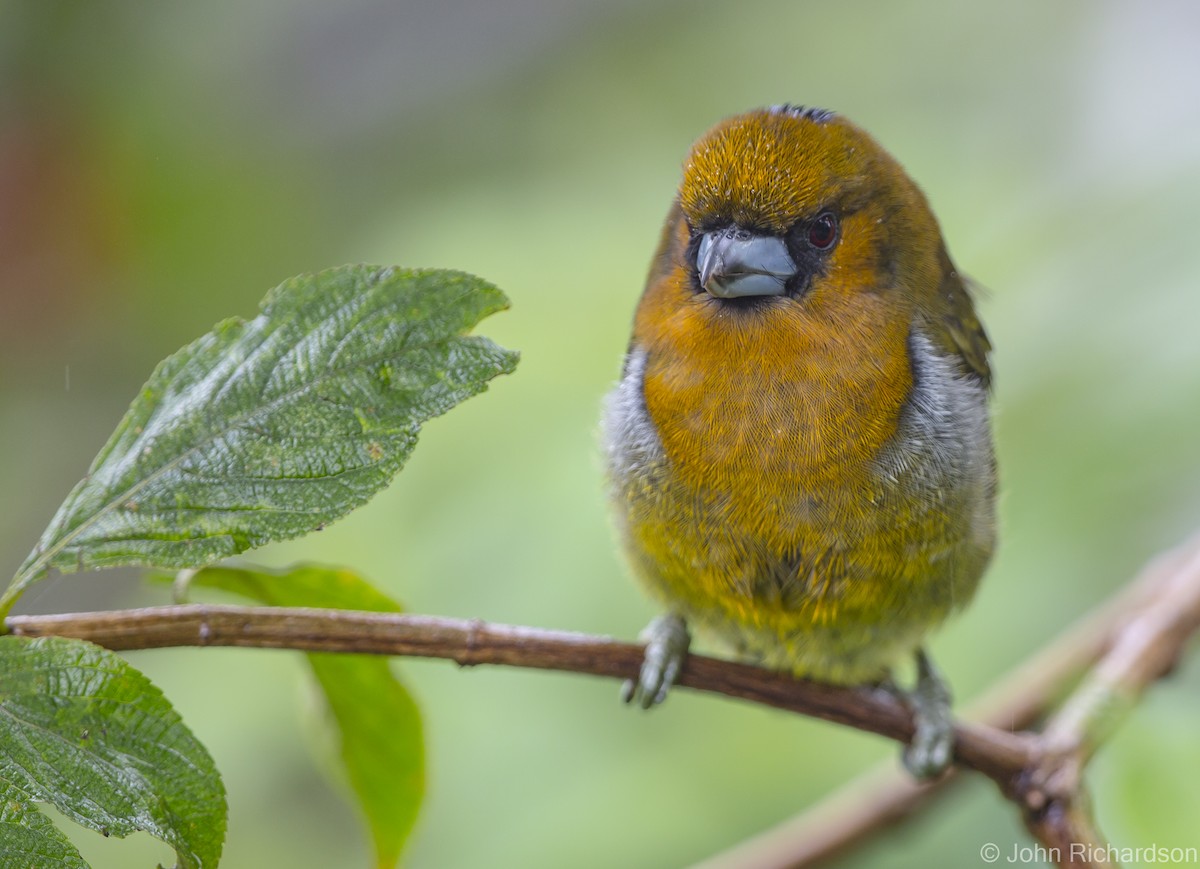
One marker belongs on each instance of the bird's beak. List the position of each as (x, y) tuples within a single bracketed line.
[(734, 263)]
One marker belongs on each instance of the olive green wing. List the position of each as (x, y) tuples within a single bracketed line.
[(956, 327)]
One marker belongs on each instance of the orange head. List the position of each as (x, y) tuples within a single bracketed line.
[(790, 209), (809, 198)]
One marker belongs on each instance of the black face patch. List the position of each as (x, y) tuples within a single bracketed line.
[(809, 244)]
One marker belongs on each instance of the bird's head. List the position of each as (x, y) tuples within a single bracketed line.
[(780, 202), (795, 239)]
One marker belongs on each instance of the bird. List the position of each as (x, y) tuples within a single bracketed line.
[(798, 451)]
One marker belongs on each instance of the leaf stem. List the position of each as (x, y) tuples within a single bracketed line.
[(14, 591)]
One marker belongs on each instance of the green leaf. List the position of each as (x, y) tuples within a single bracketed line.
[(268, 429), (382, 749), (378, 723), (84, 731), (28, 838)]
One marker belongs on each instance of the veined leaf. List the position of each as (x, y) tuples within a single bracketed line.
[(28, 838), (84, 731), (378, 723), (268, 429)]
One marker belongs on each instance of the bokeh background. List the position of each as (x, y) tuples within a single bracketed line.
[(162, 165)]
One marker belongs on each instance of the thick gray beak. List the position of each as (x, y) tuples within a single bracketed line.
[(734, 263)]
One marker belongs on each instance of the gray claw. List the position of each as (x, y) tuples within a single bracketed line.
[(932, 747), (667, 641)]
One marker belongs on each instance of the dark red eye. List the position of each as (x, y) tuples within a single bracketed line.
[(823, 231)]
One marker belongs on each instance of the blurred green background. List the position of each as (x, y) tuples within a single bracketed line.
[(162, 165)]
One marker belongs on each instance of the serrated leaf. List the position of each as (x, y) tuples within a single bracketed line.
[(28, 839), (378, 722), (84, 731), (268, 429)]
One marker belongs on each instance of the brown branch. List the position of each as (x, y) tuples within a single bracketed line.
[(1147, 647), (470, 643), (1067, 832), (1040, 772), (883, 796)]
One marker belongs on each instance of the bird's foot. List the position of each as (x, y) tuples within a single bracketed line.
[(932, 747), (667, 641)]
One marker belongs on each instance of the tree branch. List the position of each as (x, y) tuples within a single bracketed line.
[(472, 643), (1040, 772), (883, 796), (1148, 646)]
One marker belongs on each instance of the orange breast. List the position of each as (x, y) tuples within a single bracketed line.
[(774, 403)]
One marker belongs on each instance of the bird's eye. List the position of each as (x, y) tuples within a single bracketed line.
[(823, 231)]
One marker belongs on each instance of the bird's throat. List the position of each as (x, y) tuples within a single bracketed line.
[(774, 394)]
